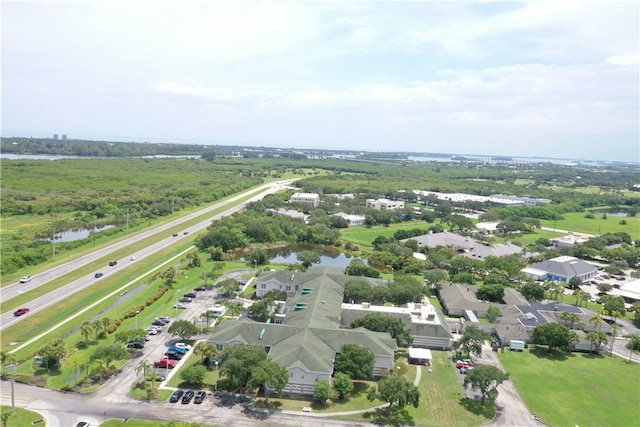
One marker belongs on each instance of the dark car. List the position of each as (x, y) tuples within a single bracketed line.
[(190, 295), (186, 299), (157, 323), (175, 234), (187, 397), (173, 355), (98, 275), (175, 396), (200, 289), (21, 311), (185, 233), (135, 344), (200, 395), (112, 263)]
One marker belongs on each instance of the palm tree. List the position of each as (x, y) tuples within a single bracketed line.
[(634, 342), (96, 325), (102, 367), (596, 320), (205, 276), (86, 329), (143, 366), (234, 308), (615, 328), (105, 321), (206, 350)]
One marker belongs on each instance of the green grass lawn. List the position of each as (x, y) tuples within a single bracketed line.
[(577, 223), (20, 418), (364, 236), (577, 389)]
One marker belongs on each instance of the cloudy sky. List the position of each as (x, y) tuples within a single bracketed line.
[(542, 78)]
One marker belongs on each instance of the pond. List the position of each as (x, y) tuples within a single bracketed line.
[(77, 234), (289, 255), (611, 212)]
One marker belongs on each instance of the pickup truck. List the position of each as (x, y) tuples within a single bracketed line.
[(164, 362)]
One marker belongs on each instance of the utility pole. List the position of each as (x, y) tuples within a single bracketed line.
[(12, 367), (127, 220)]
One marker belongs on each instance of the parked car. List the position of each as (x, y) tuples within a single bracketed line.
[(161, 320), (135, 344), (173, 355), (190, 295), (158, 324), (200, 289), (166, 319), (83, 424), (467, 363), (155, 376), (183, 345), (466, 370), (187, 397), (180, 306), (112, 263), (175, 396), (186, 299), (177, 350), (98, 275), (200, 395), (152, 330), (459, 364), (164, 362), (21, 311), (25, 279)]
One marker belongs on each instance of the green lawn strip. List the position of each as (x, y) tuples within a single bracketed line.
[(21, 418), (577, 223), (364, 236), (577, 389), (526, 239)]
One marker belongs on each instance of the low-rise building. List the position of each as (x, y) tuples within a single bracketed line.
[(384, 204), (561, 269), (352, 220), (309, 199)]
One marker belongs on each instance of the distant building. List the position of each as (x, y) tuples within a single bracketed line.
[(291, 213), (384, 204), (352, 220), (463, 245), (64, 136), (55, 136), (561, 269), (309, 199), (568, 241)]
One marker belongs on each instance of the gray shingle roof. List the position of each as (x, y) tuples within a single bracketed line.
[(565, 266)]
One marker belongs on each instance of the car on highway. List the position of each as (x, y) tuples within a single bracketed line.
[(200, 395), (180, 306), (112, 263), (175, 234), (183, 345), (164, 363), (173, 355), (19, 312), (133, 258), (25, 279), (185, 233), (175, 396), (98, 275), (186, 299), (178, 350), (200, 289), (187, 397)]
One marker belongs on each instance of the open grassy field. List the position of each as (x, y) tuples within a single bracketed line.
[(577, 223), (578, 389), (363, 236)]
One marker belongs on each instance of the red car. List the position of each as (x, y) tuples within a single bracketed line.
[(162, 363), (200, 288), (21, 311)]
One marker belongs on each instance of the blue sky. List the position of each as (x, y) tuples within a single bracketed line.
[(542, 78)]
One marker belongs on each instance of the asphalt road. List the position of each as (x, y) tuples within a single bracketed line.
[(10, 291)]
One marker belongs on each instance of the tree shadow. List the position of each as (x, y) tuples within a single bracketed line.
[(475, 407), (393, 416), (543, 353)]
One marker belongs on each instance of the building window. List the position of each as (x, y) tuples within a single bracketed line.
[(263, 286), (288, 288)]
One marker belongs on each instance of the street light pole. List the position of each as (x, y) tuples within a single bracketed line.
[(11, 367), (216, 387), (137, 312)]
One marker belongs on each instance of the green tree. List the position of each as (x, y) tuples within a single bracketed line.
[(183, 329), (96, 325), (472, 340), (486, 379), (170, 276), (612, 305), (532, 292), (308, 258), (194, 375), (85, 330), (357, 291), (435, 276), (131, 335), (555, 336), (596, 338), (615, 328), (596, 320), (342, 384), (357, 267), (269, 374), (492, 293), (105, 322), (397, 391), (493, 312), (322, 391), (258, 257), (379, 322), (228, 287), (356, 361), (144, 366), (569, 318), (633, 344), (636, 313), (109, 353), (405, 289), (206, 350), (238, 361), (260, 311), (53, 352), (234, 308)]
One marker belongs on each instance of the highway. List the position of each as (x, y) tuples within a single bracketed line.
[(51, 298)]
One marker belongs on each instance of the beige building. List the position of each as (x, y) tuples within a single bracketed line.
[(310, 199), (384, 204)]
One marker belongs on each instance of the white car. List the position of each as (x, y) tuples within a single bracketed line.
[(152, 331), (133, 258), (25, 279), (180, 305), (183, 345)]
